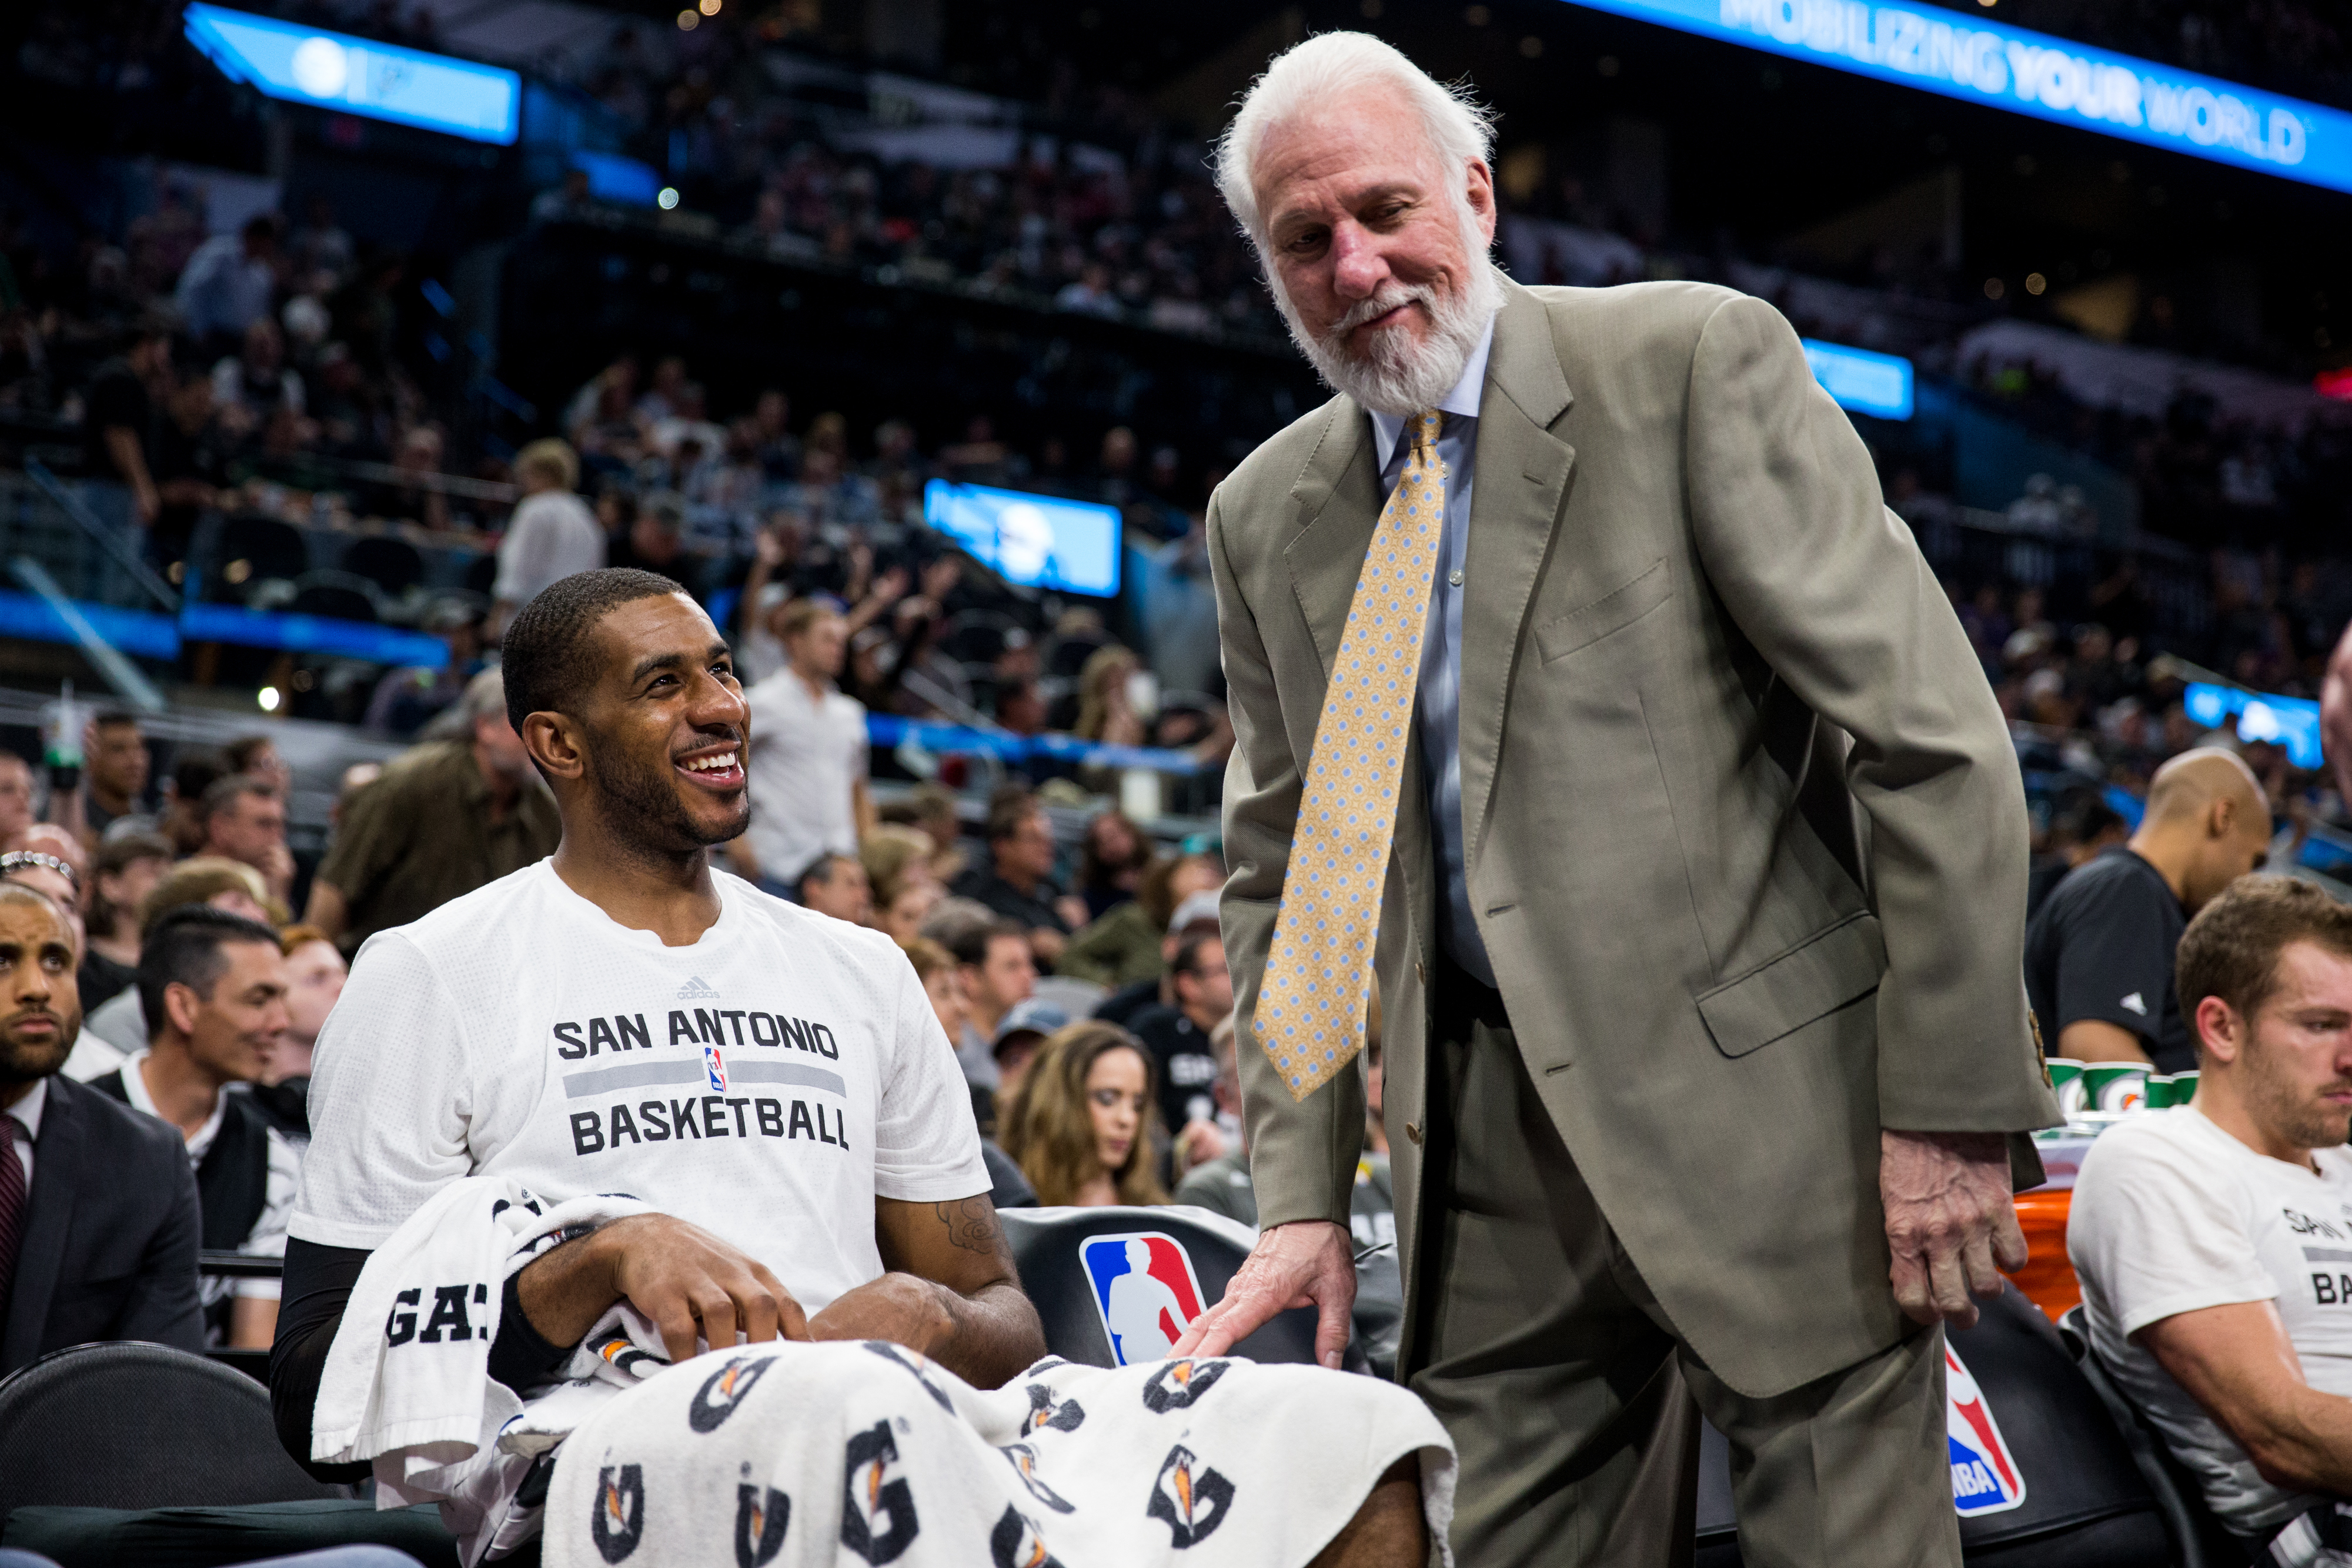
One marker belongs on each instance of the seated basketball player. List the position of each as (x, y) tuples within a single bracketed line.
[(833, 1190)]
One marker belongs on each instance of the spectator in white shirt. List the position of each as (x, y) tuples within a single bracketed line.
[(808, 754), (256, 382), (2214, 1242), (553, 533)]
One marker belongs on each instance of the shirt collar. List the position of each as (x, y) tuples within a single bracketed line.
[(134, 1089), (1387, 429), (27, 1111)]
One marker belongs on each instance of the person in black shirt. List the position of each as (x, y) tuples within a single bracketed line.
[(1018, 882), (121, 416), (191, 465), (1178, 1035), (2098, 954)]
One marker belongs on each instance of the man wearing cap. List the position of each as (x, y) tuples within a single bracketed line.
[(1024, 1029), (445, 818)]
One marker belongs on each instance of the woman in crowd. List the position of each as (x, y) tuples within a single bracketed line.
[(127, 871), (1081, 1123), (897, 861), (1106, 708), (1111, 857), (1131, 942), (314, 978)]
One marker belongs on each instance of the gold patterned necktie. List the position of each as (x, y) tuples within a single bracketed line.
[(1310, 1005)]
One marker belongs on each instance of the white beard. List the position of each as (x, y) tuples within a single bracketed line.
[(1398, 376)]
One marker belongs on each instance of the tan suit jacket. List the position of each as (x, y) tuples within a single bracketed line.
[(1745, 837)]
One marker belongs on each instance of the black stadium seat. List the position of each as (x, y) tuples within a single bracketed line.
[(2086, 1503), (141, 1425), (392, 565), (1046, 1246), (2200, 1540)]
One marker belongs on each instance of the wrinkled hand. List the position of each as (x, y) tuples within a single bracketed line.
[(1950, 1220), (686, 1279), (1308, 1262)]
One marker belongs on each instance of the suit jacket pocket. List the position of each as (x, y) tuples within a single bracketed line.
[(1820, 975), (1613, 612)]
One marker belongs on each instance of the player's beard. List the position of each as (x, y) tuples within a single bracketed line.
[(1394, 374), (2282, 1107), (642, 805)]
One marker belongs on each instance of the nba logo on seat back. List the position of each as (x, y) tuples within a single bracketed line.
[(1145, 1290), (1985, 1476)]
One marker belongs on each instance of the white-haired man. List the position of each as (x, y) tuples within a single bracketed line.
[(1693, 1082)]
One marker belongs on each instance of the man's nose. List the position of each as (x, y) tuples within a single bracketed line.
[(714, 702), (1357, 267)]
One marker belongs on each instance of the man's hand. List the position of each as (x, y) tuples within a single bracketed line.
[(679, 1276), (1308, 1262), (904, 1309), (1951, 1219)]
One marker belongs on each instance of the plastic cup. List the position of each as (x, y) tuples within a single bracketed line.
[(2159, 1092), (2067, 1078), (2184, 1087), (2115, 1087)]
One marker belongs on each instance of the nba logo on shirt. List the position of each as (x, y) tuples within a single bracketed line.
[(715, 1069), (1145, 1290), (1985, 1477)]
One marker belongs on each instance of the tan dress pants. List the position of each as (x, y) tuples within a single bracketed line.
[(1575, 1405)]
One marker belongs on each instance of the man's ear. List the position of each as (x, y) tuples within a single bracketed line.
[(2221, 816), (2220, 1029), (180, 1005), (556, 743), (1481, 194)]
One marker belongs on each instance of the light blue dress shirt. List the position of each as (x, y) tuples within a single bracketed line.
[(1441, 649)]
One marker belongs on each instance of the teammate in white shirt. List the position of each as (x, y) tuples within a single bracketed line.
[(2214, 1242), (620, 1018)]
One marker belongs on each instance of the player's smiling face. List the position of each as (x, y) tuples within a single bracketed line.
[(668, 727)]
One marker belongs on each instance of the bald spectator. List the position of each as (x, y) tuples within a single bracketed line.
[(2098, 954), (244, 820), (553, 533), (445, 818)]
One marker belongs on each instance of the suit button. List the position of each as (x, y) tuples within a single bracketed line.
[(1413, 1131)]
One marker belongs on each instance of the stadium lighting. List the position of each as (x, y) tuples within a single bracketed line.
[(358, 76), (268, 699), (2058, 79), (1866, 382), (668, 200)]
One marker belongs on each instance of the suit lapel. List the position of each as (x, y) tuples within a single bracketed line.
[(1338, 505), (1522, 479), (49, 1215)]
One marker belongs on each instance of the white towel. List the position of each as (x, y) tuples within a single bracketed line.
[(407, 1387), (803, 1455)]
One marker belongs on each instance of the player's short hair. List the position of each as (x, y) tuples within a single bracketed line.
[(185, 949), (545, 657), (115, 718), (820, 869), (2232, 949)]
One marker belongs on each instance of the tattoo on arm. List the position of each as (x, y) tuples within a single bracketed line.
[(972, 1223)]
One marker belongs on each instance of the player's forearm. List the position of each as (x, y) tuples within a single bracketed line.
[(563, 1292), (983, 1337), (2095, 1040), (2304, 1443)]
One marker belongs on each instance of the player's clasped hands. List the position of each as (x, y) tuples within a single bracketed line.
[(688, 1281)]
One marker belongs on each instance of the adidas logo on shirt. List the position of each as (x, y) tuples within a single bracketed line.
[(2135, 1002), (694, 990)]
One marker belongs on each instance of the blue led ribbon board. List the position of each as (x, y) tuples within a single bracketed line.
[(1036, 541), (1859, 380), (2031, 73), (2292, 723), (360, 75)]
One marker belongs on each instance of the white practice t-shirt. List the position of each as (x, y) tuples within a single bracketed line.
[(766, 1082), (2171, 1215), (807, 753)]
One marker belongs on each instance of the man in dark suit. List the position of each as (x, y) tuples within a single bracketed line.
[(99, 1222)]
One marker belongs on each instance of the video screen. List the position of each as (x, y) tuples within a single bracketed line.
[(1035, 541)]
